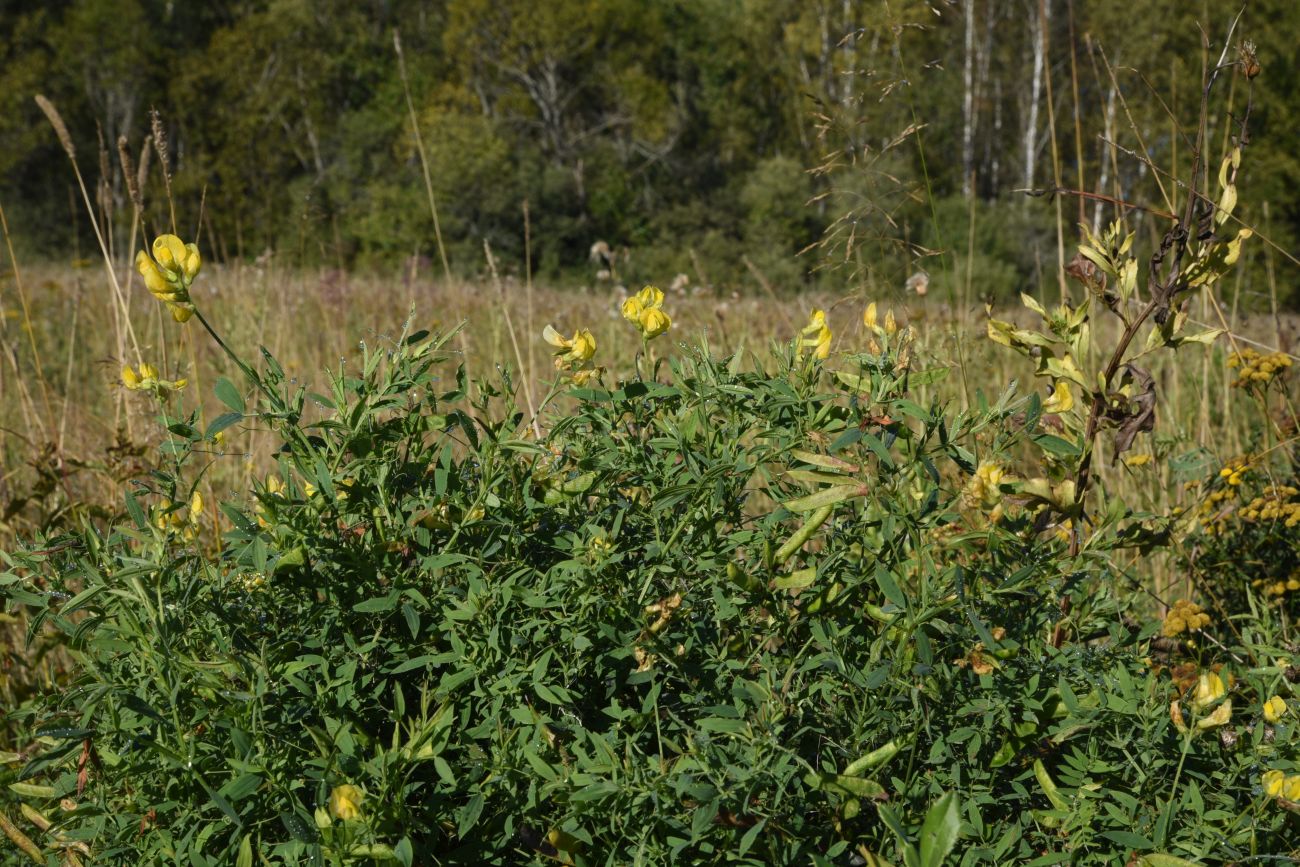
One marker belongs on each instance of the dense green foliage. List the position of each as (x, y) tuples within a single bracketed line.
[(759, 618), (680, 133)]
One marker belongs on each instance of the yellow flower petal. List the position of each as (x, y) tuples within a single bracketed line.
[(555, 338), (345, 802), (1209, 688), (1274, 708), (1222, 716), (1273, 782), (654, 322), (130, 378), (1061, 400), (650, 296)]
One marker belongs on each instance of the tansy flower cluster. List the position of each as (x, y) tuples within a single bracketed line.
[(147, 379), (645, 311), (816, 335), (1252, 367), (1185, 616), (1279, 588), (1212, 512), (1276, 503), (1235, 471), (169, 273)]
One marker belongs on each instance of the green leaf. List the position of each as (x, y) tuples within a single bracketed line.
[(940, 831), (221, 422), (1158, 859), (1128, 839), (1057, 446), (245, 856), (229, 395), (889, 587)]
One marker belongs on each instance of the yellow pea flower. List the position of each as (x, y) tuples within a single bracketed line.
[(870, 318), (169, 272), (1209, 689), (1274, 782), (1274, 708), (1061, 400), (345, 802), (1222, 716), (1291, 789), (645, 311), (571, 352), (817, 335), (147, 379)]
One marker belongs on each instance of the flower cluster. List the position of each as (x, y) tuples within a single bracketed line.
[(816, 335), (1252, 367), (1185, 616), (1279, 588), (1235, 471), (169, 273), (179, 520), (984, 490), (573, 353), (1213, 512), (645, 311), (1276, 503), (1280, 785), (147, 379)]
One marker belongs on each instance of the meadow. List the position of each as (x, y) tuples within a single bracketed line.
[(831, 562)]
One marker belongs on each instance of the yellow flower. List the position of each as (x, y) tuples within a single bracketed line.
[(869, 318), (1209, 689), (1291, 789), (645, 311), (572, 352), (147, 379), (169, 273), (1222, 716), (817, 335), (1061, 400), (345, 802), (1274, 782), (1274, 708), (582, 378)]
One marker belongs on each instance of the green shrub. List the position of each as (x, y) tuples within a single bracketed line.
[(747, 610)]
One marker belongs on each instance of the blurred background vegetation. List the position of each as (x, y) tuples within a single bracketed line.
[(713, 138)]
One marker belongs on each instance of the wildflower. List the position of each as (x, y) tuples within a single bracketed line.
[(984, 489), (1137, 460), (1222, 716), (1274, 708), (345, 802), (1273, 782), (169, 272), (582, 378), (1209, 689), (571, 352), (1234, 471), (1184, 616), (817, 335), (1256, 368), (645, 311), (870, 318), (147, 379), (1061, 400)]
